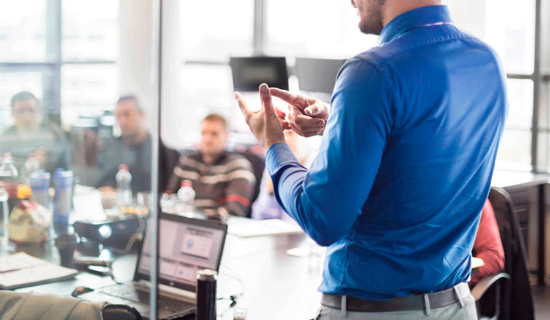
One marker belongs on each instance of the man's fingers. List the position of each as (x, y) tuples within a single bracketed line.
[(242, 105), (306, 121), (303, 133), (297, 130), (280, 113), (286, 125), (316, 110), (267, 101), (310, 122), (284, 95)]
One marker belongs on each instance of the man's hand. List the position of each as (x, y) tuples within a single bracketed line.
[(307, 116), (266, 123)]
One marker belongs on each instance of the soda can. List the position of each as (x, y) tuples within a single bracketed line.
[(40, 184), (206, 294)]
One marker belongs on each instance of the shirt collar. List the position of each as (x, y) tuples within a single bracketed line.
[(414, 19)]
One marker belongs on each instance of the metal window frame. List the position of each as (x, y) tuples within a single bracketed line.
[(540, 142)]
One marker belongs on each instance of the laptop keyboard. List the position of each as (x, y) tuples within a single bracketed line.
[(130, 292)]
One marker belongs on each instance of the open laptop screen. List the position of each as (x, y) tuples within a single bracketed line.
[(185, 247)]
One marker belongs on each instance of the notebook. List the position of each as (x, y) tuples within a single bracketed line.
[(22, 270), (185, 246)]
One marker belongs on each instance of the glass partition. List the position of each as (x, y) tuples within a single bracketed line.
[(79, 105)]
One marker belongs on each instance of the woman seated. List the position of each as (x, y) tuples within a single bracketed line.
[(488, 246)]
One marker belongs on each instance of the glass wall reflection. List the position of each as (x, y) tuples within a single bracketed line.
[(79, 96)]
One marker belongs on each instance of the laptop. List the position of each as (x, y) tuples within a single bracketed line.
[(185, 246)]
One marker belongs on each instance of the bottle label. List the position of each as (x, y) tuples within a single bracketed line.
[(11, 187)]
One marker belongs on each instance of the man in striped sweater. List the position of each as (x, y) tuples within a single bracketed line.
[(223, 181)]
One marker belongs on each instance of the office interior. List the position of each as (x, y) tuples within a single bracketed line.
[(183, 60)]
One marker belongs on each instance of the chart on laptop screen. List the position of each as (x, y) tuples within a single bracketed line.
[(183, 250)]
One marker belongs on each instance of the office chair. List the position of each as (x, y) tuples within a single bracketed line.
[(258, 167), (31, 306), (506, 295), (488, 296)]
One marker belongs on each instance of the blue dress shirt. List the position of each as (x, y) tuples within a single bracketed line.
[(406, 161)]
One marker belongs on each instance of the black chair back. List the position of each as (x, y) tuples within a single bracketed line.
[(516, 294), (258, 166)]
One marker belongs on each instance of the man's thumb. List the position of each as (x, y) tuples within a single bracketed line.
[(242, 104)]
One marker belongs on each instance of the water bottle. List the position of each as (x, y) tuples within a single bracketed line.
[(40, 185), (9, 176), (63, 182), (31, 166), (186, 197), (5, 245), (167, 202), (123, 187)]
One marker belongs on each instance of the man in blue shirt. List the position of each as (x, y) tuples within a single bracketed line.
[(404, 167)]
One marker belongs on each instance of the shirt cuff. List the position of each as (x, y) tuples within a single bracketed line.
[(278, 155)]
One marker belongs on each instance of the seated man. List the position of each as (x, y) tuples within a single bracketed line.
[(133, 148), (488, 246), (223, 181), (31, 134)]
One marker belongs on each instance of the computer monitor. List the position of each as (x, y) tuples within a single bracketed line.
[(249, 72), (185, 246), (317, 75)]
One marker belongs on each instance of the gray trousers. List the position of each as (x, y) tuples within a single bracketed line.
[(453, 312)]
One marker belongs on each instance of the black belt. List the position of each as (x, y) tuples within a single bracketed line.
[(416, 302)]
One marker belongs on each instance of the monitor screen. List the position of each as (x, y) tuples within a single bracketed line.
[(249, 72)]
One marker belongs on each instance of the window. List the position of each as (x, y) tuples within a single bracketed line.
[(90, 30), (510, 30), (215, 30), (23, 31)]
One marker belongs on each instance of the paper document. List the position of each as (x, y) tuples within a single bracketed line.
[(244, 228), (22, 270)]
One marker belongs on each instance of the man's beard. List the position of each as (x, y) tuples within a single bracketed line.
[(373, 22)]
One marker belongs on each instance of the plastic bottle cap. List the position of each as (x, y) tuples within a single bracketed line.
[(24, 192), (123, 167), (186, 183)]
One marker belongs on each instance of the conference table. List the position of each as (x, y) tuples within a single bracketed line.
[(272, 276), (267, 281)]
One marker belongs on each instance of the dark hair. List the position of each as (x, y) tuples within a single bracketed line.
[(22, 96), (215, 117), (130, 97)]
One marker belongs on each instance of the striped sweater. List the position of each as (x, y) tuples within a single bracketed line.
[(225, 185)]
